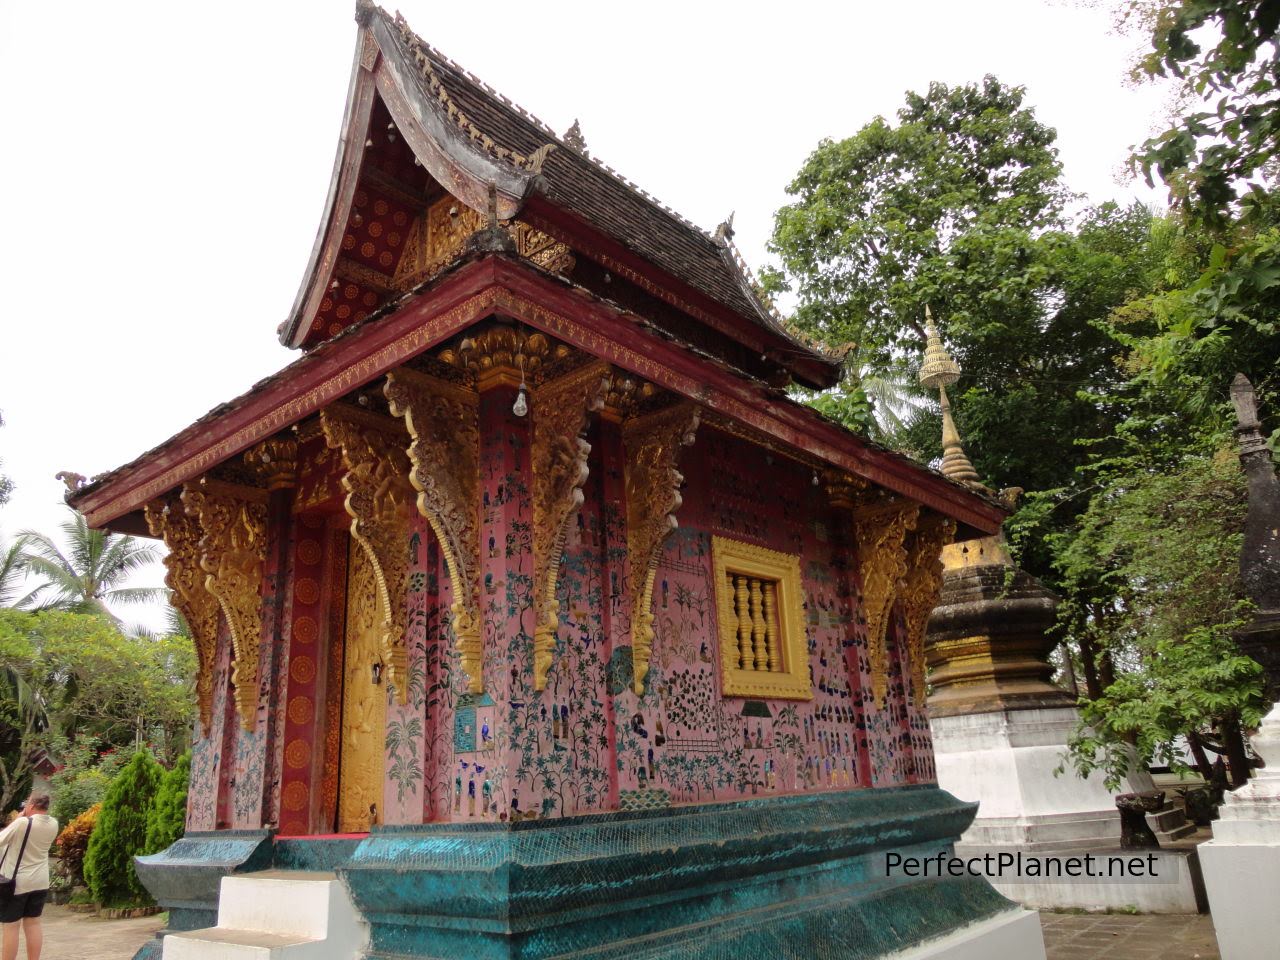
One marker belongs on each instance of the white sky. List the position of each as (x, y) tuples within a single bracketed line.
[(164, 165)]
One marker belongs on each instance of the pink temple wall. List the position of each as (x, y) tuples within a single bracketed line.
[(587, 743)]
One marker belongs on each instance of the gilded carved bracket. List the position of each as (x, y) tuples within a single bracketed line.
[(378, 502), (559, 455), (922, 588), (180, 530), (233, 548), (880, 525), (652, 445), (444, 421)]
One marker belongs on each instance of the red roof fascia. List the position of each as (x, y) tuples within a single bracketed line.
[(580, 319), (499, 285), (588, 241)]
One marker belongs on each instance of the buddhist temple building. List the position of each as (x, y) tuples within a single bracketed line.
[(532, 615)]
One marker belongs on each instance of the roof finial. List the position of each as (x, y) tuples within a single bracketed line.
[(724, 232), (939, 371), (573, 137), (365, 10)]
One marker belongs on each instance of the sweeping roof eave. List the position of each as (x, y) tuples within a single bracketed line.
[(505, 285), (471, 138)]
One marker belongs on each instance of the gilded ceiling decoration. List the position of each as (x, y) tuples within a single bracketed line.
[(439, 236)]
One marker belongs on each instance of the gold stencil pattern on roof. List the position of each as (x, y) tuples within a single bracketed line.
[(440, 236)]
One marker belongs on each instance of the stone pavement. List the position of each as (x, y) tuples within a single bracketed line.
[(81, 936), (1102, 936), (1085, 936)]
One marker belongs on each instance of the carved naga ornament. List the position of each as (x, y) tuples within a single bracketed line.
[(169, 520), (233, 549), (559, 455), (652, 446), (922, 589), (444, 421), (378, 498), (880, 531)]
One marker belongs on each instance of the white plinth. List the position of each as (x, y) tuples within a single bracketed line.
[(277, 915), (1241, 864), (1013, 935), (1006, 762)]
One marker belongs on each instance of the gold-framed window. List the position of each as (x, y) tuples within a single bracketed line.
[(760, 609)]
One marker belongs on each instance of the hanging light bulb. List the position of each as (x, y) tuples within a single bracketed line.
[(521, 406)]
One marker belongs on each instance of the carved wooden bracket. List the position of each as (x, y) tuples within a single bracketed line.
[(233, 548), (880, 529), (274, 462), (652, 446), (378, 499), (922, 588), (180, 530), (559, 454), (444, 421)]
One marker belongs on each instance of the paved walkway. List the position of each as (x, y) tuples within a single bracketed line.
[(81, 936), (1093, 936), (78, 936)]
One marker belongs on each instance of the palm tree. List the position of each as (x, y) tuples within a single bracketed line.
[(12, 573), (90, 575)]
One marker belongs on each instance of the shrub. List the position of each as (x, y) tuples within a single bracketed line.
[(121, 833), (73, 843), (169, 809), (84, 779)]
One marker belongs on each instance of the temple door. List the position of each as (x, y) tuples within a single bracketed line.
[(364, 702)]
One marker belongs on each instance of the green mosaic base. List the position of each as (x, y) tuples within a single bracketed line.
[(780, 877)]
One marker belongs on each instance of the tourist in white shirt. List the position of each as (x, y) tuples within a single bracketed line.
[(24, 908)]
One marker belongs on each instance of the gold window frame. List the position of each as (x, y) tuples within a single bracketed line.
[(792, 682)]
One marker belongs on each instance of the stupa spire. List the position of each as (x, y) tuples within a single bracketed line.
[(938, 371)]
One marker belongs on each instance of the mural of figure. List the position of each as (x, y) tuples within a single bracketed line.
[(471, 797), (457, 793), (487, 791)]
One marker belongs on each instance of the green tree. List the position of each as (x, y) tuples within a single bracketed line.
[(91, 574), (87, 772), (1152, 575), (1217, 157), (121, 834), (943, 208), (169, 809), (69, 678), (959, 205)]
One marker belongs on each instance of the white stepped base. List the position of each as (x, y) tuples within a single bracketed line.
[(1013, 935), (1006, 761), (277, 915)]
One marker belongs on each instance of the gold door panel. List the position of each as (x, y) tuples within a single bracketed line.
[(364, 702)]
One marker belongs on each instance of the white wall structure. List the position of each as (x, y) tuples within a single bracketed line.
[(1242, 862)]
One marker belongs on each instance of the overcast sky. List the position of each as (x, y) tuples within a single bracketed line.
[(164, 165)]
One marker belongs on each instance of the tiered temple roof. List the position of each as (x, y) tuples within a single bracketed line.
[(430, 162)]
